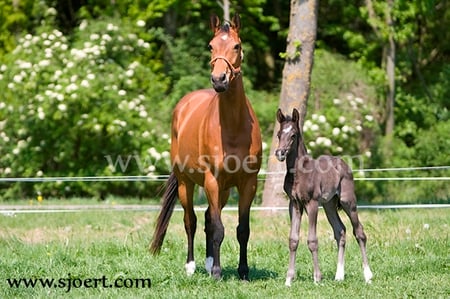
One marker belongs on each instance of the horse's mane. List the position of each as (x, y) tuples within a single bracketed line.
[(225, 27)]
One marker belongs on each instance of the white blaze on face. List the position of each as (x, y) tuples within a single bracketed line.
[(287, 130), (224, 37)]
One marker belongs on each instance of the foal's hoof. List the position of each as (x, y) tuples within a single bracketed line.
[(216, 273)]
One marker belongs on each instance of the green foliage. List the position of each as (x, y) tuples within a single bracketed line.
[(69, 105)]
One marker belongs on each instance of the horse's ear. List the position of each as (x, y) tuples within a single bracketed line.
[(295, 115), (280, 116), (214, 23), (236, 22)]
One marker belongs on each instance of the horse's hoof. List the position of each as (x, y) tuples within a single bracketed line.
[(190, 268)]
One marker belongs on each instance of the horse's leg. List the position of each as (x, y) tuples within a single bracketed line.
[(214, 229), (186, 193), (339, 235), (312, 209), (247, 192), (295, 214), (348, 202), (209, 241)]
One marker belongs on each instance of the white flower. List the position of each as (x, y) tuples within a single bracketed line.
[(7, 170), (143, 114), (71, 87), (122, 92), (341, 119), (17, 78), (85, 83), (90, 76), (314, 127), (358, 128), (369, 117), (83, 25), (25, 65), (39, 173), (140, 23), (322, 119), (336, 131), (314, 116), (129, 73), (62, 107), (336, 101), (44, 63), (345, 129), (94, 36), (146, 134), (312, 144), (368, 154)]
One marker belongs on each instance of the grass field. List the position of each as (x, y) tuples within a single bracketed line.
[(409, 252)]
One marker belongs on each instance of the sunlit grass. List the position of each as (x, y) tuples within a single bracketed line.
[(408, 252)]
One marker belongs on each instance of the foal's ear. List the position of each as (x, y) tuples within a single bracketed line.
[(280, 117), (214, 23), (295, 115), (236, 22)]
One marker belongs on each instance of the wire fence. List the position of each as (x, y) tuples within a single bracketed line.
[(262, 174)]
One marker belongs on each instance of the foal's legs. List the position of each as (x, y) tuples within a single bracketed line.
[(312, 209), (295, 214), (186, 193), (339, 235), (348, 202)]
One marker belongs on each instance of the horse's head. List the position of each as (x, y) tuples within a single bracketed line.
[(226, 52), (289, 134)]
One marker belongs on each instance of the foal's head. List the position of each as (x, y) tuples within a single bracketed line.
[(226, 52), (289, 134)]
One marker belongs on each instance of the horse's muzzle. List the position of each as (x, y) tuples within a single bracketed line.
[(281, 154), (220, 83)]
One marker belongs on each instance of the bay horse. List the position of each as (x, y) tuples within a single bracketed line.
[(309, 182), (216, 144)]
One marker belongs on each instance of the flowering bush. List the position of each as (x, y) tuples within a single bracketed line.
[(343, 128), (82, 107)]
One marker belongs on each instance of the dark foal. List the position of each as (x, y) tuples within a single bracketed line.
[(309, 182)]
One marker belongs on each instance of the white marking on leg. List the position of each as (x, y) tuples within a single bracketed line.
[(368, 274), (340, 273), (209, 263), (190, 268), (288, 282)]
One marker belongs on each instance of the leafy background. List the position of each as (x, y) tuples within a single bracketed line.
[(88, 89)]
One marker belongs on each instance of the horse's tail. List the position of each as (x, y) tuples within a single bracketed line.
[(169, 199)]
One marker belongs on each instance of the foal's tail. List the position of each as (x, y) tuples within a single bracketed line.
[(169, 199)]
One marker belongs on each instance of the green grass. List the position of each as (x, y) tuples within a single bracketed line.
[(408, 252)]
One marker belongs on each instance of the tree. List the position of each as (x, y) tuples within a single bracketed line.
[(295, 85)]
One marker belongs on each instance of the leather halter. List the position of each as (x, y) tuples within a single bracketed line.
[(234, 71)]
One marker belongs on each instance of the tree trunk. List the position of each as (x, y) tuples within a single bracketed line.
[(390, 72), (294, 88)]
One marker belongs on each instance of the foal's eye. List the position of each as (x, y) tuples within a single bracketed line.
[(210, 48), (237, 47)]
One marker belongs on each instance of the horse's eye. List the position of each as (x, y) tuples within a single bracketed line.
[(237, 47), (210, 48), (293, 136)]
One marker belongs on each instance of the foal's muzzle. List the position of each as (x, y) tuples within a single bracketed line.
[(281, 154)]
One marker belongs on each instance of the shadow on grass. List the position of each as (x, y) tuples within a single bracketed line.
[(255, 274)]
